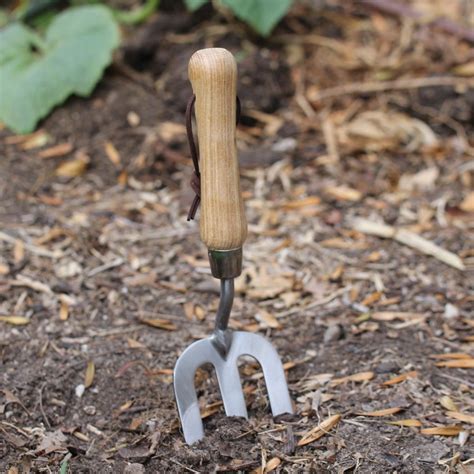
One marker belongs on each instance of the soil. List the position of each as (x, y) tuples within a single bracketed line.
[(111, 276)]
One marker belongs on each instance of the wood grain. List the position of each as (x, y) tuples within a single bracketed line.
[(213, 75)]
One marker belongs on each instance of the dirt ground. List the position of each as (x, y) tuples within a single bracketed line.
[(347, 113)]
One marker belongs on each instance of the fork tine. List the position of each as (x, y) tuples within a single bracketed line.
[(193, 357), (256, 346)]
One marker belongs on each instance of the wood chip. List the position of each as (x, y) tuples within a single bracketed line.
[(338, 243), (393, 315), (464, 417), (15, 320), (134, 344), (112, 154), (343, 193), (409, 239), (267, 319), (372, 298), (73, 168), (466, 69), (320, 430), (18, 251), (52, 234), (159, 323), (56, 151), (442, 430), (451, 355), (169, 131), (90, 373), (384, 412), (457, 364), (63, 311), (359, 377), (401, 378), (330, 137), (407, 422), (211, 409), (189, 310), (123, 178), (22, 280), (35, 140), (31, 248), (447, 402), (272, 464), (81, 436), (309, 201), (467, 203)]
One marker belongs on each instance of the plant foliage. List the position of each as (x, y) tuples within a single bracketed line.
[(262, 15), (37, 73)]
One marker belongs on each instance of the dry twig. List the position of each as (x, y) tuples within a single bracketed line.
[(409, 239)]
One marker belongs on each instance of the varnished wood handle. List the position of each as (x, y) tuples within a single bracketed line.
[(213, 75)]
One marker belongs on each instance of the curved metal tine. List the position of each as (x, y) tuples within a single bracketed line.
[(194, 356), (230, 386), (197, 354), (256, 346)]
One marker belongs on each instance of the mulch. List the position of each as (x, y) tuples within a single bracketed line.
[(350, 115)]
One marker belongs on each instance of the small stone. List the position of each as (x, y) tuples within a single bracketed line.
[(112, 297), (451, 311), (89, 410), (387, 367), (333, 333), (133, 119), (67, 269), (80, 389), (134, 468), (285, 145)]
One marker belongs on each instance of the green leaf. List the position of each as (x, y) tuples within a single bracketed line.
[(138, 14), (262, 15), (194, 5), (39, 73)]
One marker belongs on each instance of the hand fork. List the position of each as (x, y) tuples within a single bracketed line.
[(223, 228)]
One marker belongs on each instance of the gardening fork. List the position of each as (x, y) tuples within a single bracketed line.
[(223, 228)]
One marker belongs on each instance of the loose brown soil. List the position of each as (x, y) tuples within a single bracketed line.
[(89, 259)]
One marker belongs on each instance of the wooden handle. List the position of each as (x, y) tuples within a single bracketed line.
[(213, 75)]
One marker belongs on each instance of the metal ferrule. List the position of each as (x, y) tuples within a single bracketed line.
[(225, 264)]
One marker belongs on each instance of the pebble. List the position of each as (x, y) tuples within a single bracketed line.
[(451, 311), (67, 269), (89, 409), (387, 367), (333, 333), (133, 119), (285, 145), (134, 468), (79, 390)]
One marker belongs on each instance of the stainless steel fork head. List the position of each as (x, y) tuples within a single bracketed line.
[(207, 351)]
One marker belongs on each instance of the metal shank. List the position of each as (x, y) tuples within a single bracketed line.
[(222, 336)]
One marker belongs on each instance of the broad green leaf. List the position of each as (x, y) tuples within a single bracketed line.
[(39, 73), (262, 15), (194, 5)]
